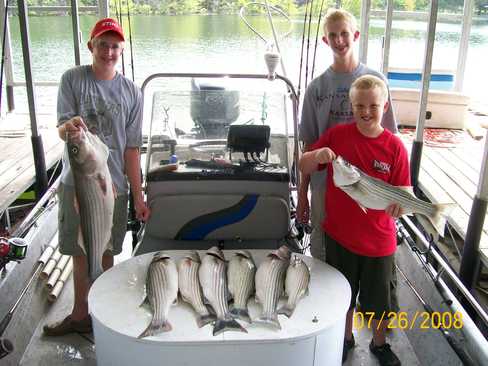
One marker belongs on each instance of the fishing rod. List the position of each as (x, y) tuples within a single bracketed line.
[(454, 343), (4, 39), (6, 345), (308, 43), (130, 42), (301, 52), (317, 36), (118, 15), (476, 341)]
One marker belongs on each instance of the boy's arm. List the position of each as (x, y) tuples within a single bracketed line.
[(303, 206), (311, 160)]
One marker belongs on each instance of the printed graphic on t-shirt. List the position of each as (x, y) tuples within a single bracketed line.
[(340, 106), (381, 166), (99, 117)]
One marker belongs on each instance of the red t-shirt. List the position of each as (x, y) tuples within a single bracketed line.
[(371, 234)]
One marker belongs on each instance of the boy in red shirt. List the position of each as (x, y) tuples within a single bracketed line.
[(361, 245)]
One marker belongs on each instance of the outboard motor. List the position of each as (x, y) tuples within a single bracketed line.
[(213, 109)]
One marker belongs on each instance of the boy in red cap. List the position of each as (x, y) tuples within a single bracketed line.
[(98, 98)]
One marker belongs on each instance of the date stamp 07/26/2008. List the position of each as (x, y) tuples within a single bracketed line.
[(404, 320)]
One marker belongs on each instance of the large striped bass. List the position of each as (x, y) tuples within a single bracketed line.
[(95, 196), (213, 278), (270, 279), (240, 275), (370, 192), (296, 285), (190, 288), (162, 292)]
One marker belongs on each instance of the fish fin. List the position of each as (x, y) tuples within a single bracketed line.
[(364, 209), (408, 189), (102, 182), (241, 314), (270, 320), (224, 325), (286, 310), (155, 328), (442, 210), (114, 190), (80, 241), (145, 301), (76, 205), (203, 320)]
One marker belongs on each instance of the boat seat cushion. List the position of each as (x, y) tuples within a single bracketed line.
[(218, 217)]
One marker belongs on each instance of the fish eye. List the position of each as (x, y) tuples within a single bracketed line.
[(75, 150)]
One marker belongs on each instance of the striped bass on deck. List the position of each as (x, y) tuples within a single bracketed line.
[(296, 285), (370, 192), (270, 279), (95, 196), (162, 292), (240, 276), (213, 278), (190, 288)]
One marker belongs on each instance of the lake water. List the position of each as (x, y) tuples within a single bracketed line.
[(224, 44)]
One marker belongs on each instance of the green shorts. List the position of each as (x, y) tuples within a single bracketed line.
[(368, 276), (69, 222)]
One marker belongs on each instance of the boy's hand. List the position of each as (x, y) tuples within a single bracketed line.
[(324, 155), (72, 128), (394, 210)]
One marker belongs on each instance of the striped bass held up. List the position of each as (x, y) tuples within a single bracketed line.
[(190, 288), (270, 280), (213, 278), (161, 291), (373, 193), (240, 275), (95, 196)]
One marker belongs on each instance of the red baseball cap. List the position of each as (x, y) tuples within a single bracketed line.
[(106, 25)]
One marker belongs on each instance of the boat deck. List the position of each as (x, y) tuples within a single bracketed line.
[(414, 347), (17, 172), (449, 172)]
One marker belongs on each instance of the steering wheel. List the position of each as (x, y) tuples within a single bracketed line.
[(209, 146)]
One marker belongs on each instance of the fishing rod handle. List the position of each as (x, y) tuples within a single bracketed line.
[(5, 322)]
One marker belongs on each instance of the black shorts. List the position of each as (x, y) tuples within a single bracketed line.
[(368, 276)]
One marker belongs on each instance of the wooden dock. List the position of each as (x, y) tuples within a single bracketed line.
[(17, 172), (449, 172)]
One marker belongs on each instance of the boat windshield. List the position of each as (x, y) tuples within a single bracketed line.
[(215, 125)]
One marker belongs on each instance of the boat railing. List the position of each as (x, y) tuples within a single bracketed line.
[(435, 270)]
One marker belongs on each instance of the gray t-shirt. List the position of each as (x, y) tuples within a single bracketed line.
[(326, 104), (112, 109)]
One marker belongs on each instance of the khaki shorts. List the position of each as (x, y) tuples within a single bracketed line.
[(369, 277), (69, 222)]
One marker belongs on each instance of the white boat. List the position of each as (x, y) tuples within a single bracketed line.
[(195, 206)]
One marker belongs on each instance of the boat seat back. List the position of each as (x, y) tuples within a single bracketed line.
[(218, 217)]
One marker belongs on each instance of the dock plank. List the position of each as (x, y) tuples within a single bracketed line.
[(451, 174), (18, 170), (453, 171)]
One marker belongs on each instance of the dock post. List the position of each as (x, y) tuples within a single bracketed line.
[(470, 261), (416, 154), (37, 148)]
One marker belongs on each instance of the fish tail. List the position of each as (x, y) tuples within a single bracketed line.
[(203, 320), (242, 314), (271, 320), (442, 210), (286, 310), (95, 271), (155, 328), (223, 325)]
